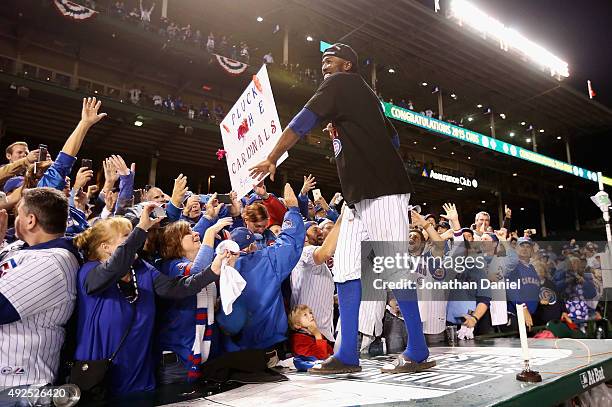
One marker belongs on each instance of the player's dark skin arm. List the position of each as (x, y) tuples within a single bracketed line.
[(268, 166)]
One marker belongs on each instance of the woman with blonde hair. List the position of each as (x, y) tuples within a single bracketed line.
[(116, 300)]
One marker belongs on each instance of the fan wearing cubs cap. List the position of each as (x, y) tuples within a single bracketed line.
[(375, 186)]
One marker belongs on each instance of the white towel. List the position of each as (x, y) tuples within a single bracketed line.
[(231, 282), (465, 333), (231, 285)]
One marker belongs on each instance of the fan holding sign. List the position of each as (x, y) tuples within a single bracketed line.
[(250, 131)]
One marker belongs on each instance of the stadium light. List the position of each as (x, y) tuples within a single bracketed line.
[(541, 130), (523, 123), (514, 174), (453, 95), (309, 38), (528, 140), (470, 118), (435, 148), (560, 186), (423, 83), (259, 19), (452, 153), (138, 123), (511, 134), (391, 70), (502, 115), (483, 201), (467, 13), (522, 209), (415, 142), (459, 189), (558, 137), (479, 106), (469, 158)]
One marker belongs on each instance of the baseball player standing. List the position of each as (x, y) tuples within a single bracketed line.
[(375, 186)]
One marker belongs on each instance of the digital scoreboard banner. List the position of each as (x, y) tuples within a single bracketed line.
[(460, 133)]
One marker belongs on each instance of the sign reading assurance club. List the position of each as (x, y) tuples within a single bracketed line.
[(440, 176), (250, 131)]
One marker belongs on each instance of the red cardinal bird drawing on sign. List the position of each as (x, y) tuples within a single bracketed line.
[(243, 129)]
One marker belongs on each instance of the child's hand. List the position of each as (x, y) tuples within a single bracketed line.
[(314, 330)]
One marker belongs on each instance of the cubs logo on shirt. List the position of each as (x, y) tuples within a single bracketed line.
[(337, 146), (548, 295)]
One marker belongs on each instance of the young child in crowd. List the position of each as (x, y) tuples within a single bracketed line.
[(306, 339)]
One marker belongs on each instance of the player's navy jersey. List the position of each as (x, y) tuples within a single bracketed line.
[(40, 283), (369, 165)]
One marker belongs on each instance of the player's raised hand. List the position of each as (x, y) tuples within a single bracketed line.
[(289, 196), (262, 169)]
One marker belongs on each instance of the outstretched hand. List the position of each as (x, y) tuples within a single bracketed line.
[(89, 112), (451, 213), (265, 167), (309, 184), (145, 222)]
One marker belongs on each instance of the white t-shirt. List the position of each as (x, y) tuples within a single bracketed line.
[(313, 285), (41, 286), (135, 95)]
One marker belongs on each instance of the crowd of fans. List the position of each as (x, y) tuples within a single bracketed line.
[(141, 14), (146, 279)]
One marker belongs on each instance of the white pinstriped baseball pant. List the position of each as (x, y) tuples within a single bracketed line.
[(385, 218)]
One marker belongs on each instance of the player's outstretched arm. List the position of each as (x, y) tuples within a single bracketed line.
[(268, 166)]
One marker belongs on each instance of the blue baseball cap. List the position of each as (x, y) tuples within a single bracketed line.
[(522, 240), (12, 184), (309, 224), (254, 198), (243, 236)]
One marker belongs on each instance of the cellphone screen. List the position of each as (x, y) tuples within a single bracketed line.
[(87, 163), (42, 155), (224, 198)]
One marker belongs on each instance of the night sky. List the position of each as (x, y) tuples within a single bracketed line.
[(578, 32)]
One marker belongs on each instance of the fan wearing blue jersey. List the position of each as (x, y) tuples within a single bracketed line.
[(186, 325), (116, 294)]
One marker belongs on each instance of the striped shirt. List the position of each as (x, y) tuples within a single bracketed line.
[(41, 286), (313, 285)]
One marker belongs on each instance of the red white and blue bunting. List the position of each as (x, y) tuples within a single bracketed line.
[(73, 10), (230, 66)]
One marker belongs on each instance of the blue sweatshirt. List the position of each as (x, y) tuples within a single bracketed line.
[(529, 291), (264, 272)]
